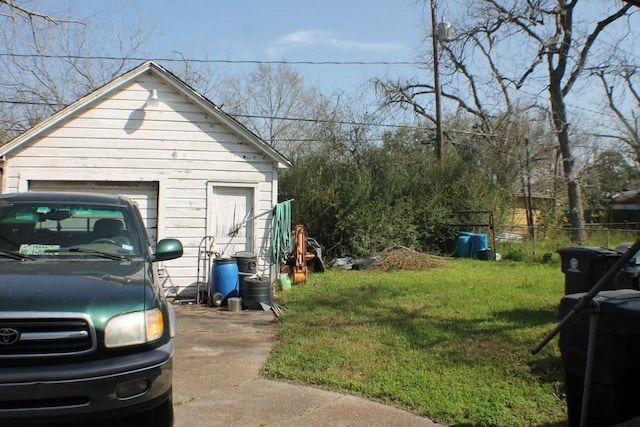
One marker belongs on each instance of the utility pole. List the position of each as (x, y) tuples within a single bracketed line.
[(436, 84)]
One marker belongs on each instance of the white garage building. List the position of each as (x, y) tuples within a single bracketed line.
[(196, 173)]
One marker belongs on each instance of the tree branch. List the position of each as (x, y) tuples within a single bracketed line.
[(30, 14), (584, 53)]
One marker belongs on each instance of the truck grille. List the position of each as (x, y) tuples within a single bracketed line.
[(45, 335)]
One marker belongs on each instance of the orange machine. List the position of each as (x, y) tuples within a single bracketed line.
[(307, 256), (300, 269)]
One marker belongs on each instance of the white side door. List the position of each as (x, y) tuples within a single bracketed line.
[(230, 215)]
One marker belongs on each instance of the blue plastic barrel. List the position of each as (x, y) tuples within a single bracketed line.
[(225, 278), (478, 242), (463, 245)]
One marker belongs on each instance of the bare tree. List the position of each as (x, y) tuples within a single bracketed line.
[(507, 54), (344, 130), (17, 23), (621, 84), (48, 62), (198, 75), (274, 103)]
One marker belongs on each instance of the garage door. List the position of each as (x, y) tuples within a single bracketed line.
[(144, 194)]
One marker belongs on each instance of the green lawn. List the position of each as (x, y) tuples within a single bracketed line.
[(450, 343)]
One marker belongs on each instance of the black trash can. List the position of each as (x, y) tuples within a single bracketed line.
[(629, 276), (247, 266), (583, 266), (614, 396)]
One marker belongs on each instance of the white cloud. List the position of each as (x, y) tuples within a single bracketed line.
[(324, 39)]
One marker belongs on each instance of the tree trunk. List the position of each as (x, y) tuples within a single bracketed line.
[(559, 112)]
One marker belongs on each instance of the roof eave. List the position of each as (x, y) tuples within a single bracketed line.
[(175, 82)]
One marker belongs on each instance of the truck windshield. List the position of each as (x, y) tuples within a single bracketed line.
[(56, 229)]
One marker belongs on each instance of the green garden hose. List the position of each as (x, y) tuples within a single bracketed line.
[(281, 232)]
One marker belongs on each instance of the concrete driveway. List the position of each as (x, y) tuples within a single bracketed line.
[(218, 379)]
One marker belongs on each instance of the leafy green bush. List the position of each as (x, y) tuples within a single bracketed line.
[(512, 251), (393, 193)]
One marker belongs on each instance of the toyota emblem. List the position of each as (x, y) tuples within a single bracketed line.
[(9, 336)]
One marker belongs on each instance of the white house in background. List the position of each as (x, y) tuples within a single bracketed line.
[(196, 173)]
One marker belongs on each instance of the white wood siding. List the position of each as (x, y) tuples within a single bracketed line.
[(176, 145)]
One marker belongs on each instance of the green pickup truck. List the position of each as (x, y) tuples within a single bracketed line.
[(86, 335)]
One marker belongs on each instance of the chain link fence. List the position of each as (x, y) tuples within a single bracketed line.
[(540, 243)]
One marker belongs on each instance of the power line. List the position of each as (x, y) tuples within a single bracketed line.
[(253, 116), (306, 120), (208, 61), (254, 62), (47, 104), (239, 62), (575, 106), (343, 122)]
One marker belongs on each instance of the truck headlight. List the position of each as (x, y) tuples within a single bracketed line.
[(134, 328)]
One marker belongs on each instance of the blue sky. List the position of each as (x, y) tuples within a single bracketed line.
[(289, 30), (367, 31)]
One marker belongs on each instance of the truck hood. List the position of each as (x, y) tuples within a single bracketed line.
[(99, 288)]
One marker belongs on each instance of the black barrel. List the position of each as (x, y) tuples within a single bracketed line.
[(254, 292), (247, 266), (247, 262)]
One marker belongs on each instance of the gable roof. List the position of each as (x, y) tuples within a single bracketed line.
[(173, 81), (624, 197)]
